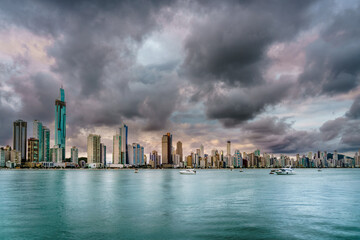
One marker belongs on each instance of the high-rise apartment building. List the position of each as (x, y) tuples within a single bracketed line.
[(2, 157), (138, 155), (56, 154), (228, 148), (202, 153), (179, 150), (19, 138), (123, 132), (103, 154), (60, 122), (93, 148), (120, 146), (33, 150), (74, 155), (166, 149), (155, 158), (38, 134), (117, 149), (46, 144)]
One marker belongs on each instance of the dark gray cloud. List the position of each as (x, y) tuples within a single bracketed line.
[(228, 51), (354, 111), (275, 135), (230, 46), (332, 61), (37, 93), (240, 105), (332, 128)]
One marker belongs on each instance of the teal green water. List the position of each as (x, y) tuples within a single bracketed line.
[(162, 204)]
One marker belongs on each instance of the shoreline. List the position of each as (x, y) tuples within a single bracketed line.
[(132, 169)]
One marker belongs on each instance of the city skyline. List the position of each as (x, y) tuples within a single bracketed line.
[(288, 85)]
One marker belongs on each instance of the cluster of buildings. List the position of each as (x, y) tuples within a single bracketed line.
[(36, 151), (218, 159)]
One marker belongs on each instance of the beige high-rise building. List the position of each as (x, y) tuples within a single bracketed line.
[(74, 155), (228, 148), (202, 151), (117, 149), (93, 148), (179, 150)]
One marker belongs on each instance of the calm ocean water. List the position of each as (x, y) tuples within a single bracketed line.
[(162, 204)]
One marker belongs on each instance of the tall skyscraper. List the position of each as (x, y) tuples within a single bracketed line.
[(117, 149), (166, 149), (33, 150), (93, 148), (102, 153), (179, 150), (228, 148), (120, 146), (46, 145), (19, 138), (2, 157), (74, 155), (202, 151), (38, 134), (123, 132), (138, 154), (60, 122)]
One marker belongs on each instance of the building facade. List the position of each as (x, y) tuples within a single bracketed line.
[(138, 154), (166, 149), (93, 148), (117, 150), (60, 122), (2, 157), (179, 150), (103, 154), (20, 137), (38, 134), (75, 155), (123, 132), (155, 158), (46, 144), (33, 150)]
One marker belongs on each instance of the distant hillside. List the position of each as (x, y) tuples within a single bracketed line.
[(340, 156)]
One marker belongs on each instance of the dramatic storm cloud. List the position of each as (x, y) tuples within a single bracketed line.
[(281, 76)]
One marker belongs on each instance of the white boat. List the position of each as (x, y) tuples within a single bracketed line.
[(285, 171), (273, 171), (188, 172)]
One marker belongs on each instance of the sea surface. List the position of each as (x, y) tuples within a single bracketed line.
[(162, 204)]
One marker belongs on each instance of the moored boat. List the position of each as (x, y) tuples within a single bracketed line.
[(188, 172), (285, 171)]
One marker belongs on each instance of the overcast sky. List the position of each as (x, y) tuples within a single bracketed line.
[(281, 76)]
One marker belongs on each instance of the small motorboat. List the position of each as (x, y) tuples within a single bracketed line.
[(136, 170), (188, 172), (285, 171), (241, 170), (319, 170)]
